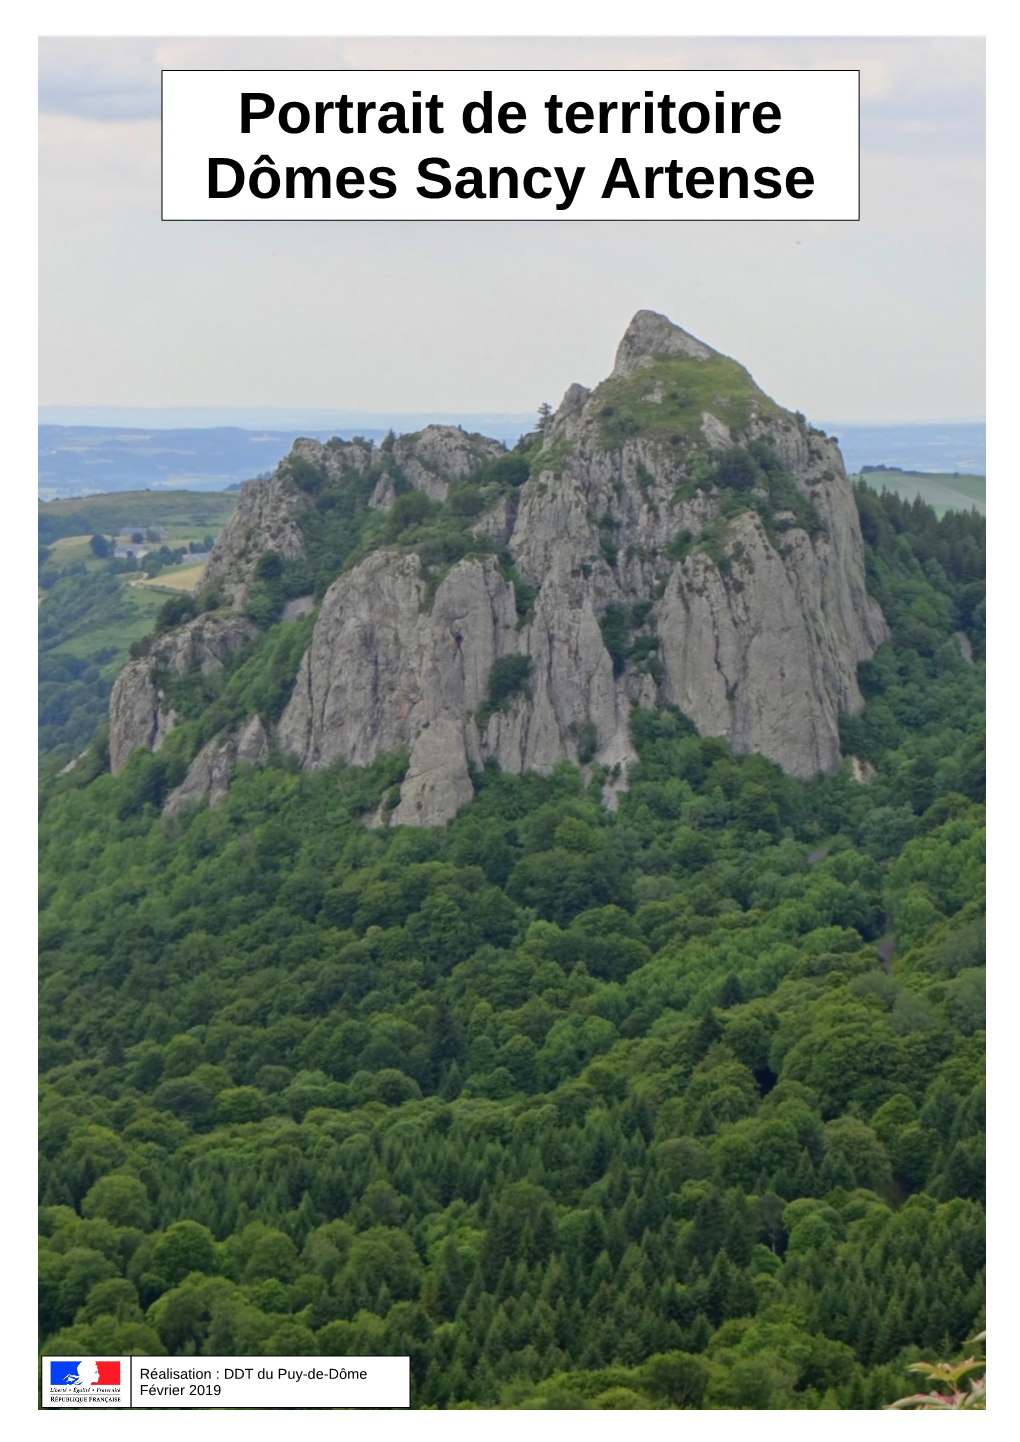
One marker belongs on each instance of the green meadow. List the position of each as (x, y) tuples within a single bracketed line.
[(942, 492)]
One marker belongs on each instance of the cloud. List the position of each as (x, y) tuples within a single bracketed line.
[(879, 319), (97, 78), (916, 93)]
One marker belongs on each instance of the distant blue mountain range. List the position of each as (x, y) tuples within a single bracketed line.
[(81, 460), (122, 449), (944, 448), (78, 459)]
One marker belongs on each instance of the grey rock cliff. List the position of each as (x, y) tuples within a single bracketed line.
[(209, 773), (139, 713), (384, 663), (758, 634), (387, 669), (267, 518)]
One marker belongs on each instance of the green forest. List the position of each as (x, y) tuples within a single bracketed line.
[(677, 1106)]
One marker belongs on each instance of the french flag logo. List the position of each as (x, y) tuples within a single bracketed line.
[(84, 1372)]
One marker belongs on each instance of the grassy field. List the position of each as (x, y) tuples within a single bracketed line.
[(70, 549), (66, 528), (185, 515), (942, 492), (174, 579), (144, 603)]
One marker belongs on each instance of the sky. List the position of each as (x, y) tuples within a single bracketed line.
[(877, 320)]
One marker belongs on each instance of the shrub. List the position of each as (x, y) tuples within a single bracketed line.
[(408, 510), (269, 566), (307, 477), (736, 469), (507, 679), (509, 470), (175, 612)]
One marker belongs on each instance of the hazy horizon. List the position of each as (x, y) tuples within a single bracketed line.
[(110, 455), (249, 415)]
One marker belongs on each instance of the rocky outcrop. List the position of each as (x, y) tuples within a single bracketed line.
[(423, 674), (755, 617), (298, 607), (209, 773), (415, 662), (651, 337), (267, 518), (140, 715), (498, 522), (680, 540), (766, 653), (437, 783), (433, 458), (273, 514)]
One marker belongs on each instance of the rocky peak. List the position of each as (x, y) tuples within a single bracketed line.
[(651, 337), (671, 537), (688, 542)]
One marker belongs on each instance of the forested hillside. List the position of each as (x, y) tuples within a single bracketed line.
[(679, 1105)]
